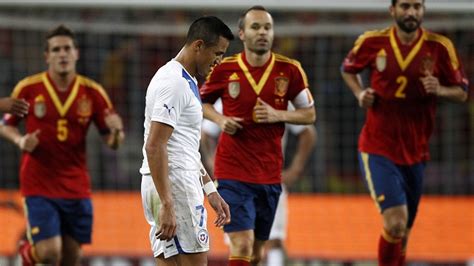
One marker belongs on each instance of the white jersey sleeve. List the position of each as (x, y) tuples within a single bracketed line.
[(169, 102)]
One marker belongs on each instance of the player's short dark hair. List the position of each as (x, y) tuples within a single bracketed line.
[(394, 2), (242, 16), (208, 29), (60, 30)]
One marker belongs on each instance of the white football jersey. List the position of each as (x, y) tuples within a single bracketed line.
[(173, 98)]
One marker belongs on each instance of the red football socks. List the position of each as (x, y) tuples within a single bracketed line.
[(239, 261), (390, 249)]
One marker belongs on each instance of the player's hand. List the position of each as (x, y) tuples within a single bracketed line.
[(230, 125), (115, 125), (366, 98), (29, 141), (430, 83), (18, 107), (290, 175), (113, 120), (167, 219), (265, 113), (221, 208)]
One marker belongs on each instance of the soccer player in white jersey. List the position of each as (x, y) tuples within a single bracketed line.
[(173, 178), (306, 141)]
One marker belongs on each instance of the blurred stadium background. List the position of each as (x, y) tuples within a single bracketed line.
[(332, 221)]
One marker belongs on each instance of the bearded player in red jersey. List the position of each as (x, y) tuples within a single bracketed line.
[(255, 87), (53, 174), (410, 69)]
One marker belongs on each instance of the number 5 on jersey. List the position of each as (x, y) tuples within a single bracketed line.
[(62, 130)]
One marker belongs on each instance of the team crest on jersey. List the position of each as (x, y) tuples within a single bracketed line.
[(381, 60), (84, 106), (427, 64), (203, 236), (39, 108), (281, 86), (234, 89)]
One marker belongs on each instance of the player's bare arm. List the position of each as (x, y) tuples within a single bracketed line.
[(229, 125), (116, 136), (18, 107), (265, 113), (215, 200), (432, 86), (157, 155), (306, 142), (27, 142), (365, 97)]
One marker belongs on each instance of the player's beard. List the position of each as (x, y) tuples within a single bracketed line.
[(409, 24), (260, 50)]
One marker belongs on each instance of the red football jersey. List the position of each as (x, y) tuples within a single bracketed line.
[(254, 153), (57, 167), (401, 121)]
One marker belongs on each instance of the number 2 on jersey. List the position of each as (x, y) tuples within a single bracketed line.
[(62, 130), (402, 81)]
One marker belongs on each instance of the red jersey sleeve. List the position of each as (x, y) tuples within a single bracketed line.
[(214, 86), (102, 106), (452, 73), (359, 57), (299, 80), (19, 92)]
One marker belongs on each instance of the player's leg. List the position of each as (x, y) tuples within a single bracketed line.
[(394, 229), (413, 176), (151, 205), (266, 206), (403, 255), (161, 261), (241, 199), (193, 259), (76, 228), (191, 243), (43, 231), (275, 245), (385, 183), (71, 251), (240, 245)]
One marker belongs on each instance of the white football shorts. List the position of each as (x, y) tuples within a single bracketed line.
[(191, 216), (280, 223)]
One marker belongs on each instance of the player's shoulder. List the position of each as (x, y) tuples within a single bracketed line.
[(371, 37), (89, 83), (94, 88), (373, 34), (230, 59), (169, 77), (31, 80), (287, 60), (27, 82), (438, 38)]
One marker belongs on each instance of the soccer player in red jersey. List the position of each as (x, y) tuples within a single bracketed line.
[(255, 87), (53, 173), (410, 69)]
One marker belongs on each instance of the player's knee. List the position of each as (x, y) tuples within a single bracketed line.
[(396, 228), (257, 257), (50, 255), (242, 247)]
